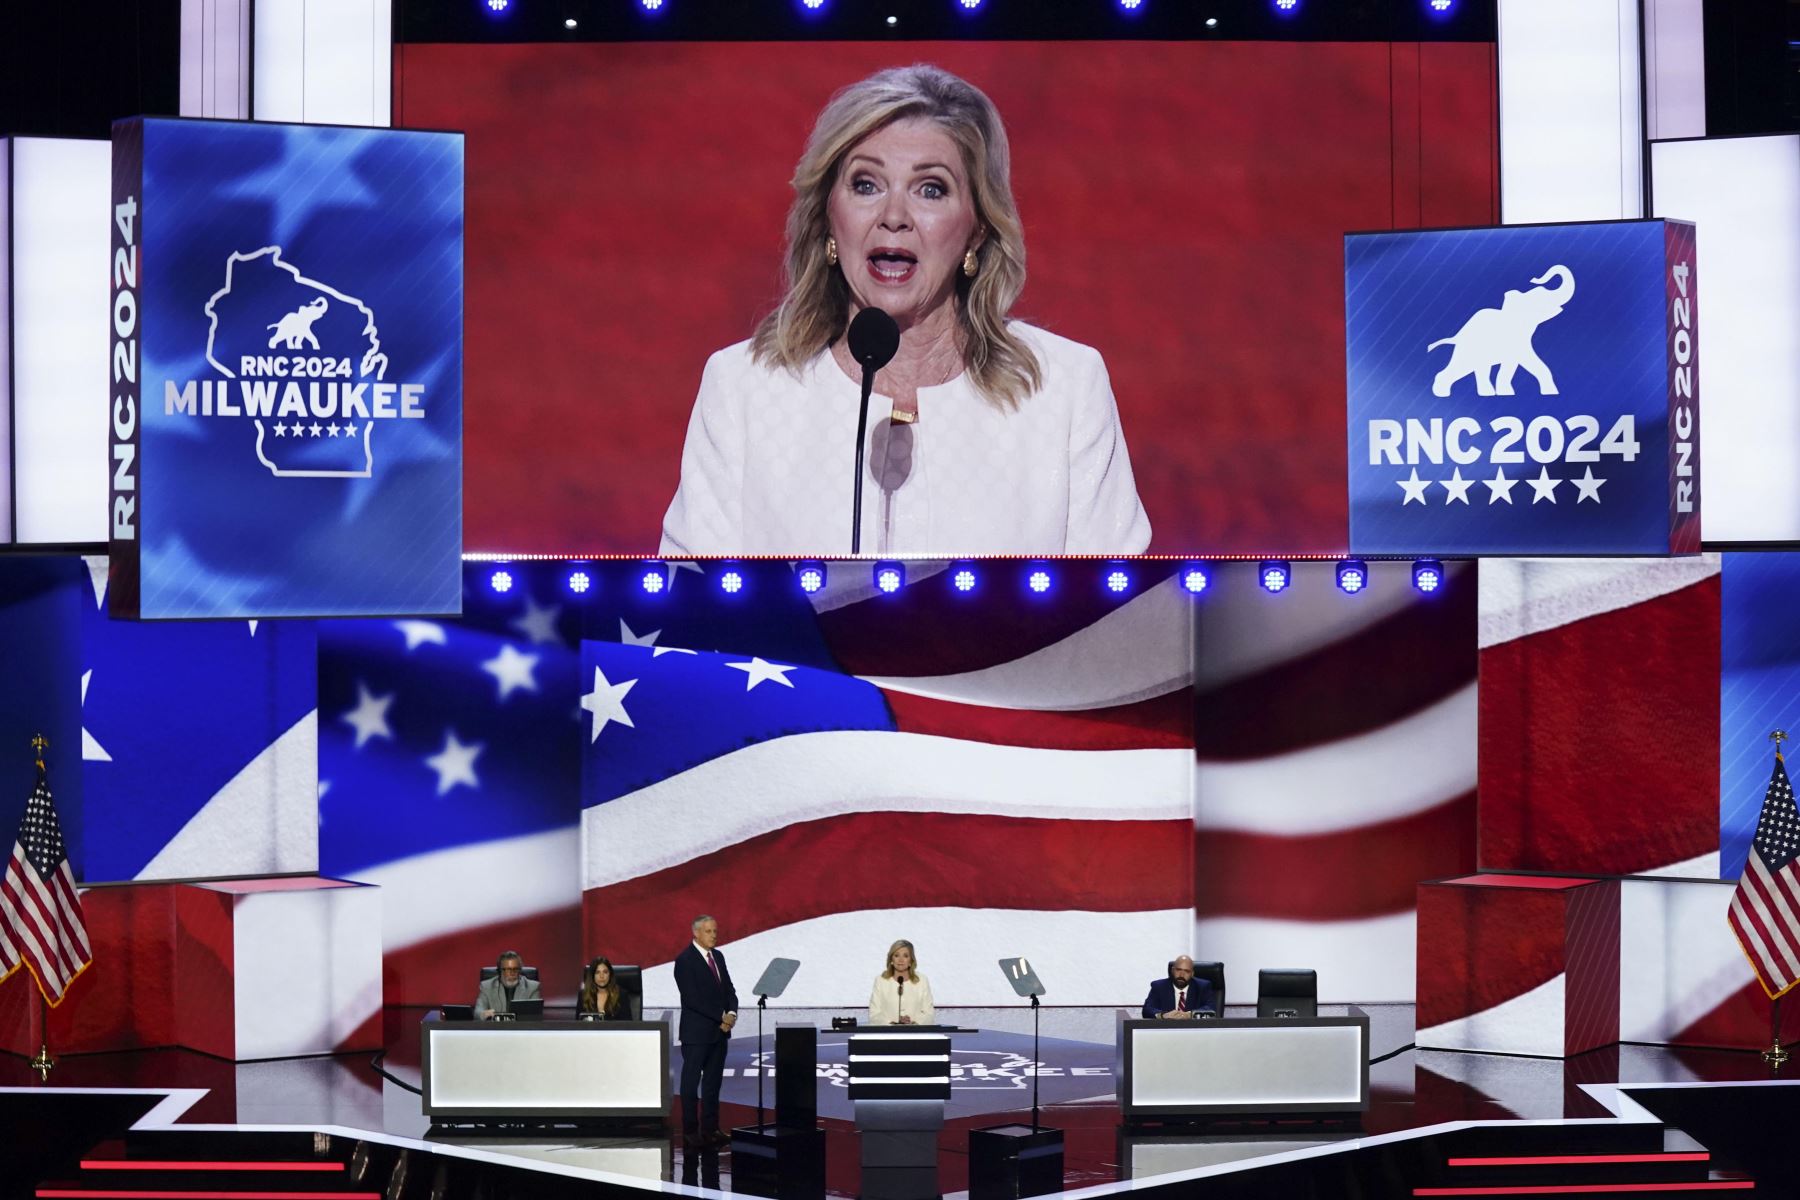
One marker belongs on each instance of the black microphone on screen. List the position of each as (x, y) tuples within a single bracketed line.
[(899, 982), (874, 339)]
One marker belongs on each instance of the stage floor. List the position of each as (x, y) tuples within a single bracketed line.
[(991, 1085)]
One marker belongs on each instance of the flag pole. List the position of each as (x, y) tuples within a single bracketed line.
[(1776, 1054), (43, 1062)]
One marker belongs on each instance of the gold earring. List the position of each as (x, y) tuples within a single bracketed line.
[(831, 251), (971, 264)]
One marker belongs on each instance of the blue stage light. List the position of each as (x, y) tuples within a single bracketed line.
[(811, 576), (1275, 575), (1352, 575), (1038, 578), (889, 577), (1286, 7), (1194, 577), (653, 578), (497, 6), (651, 6), (968, 5), (731, 581), (1428, 575), (963, 577), (1442, 6), (580, 581), (812, 5), (1131, 5), (501, 581), (1117, 578)]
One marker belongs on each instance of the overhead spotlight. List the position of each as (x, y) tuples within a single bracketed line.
[(1428, 575), (1352, 575), (1212, 22), (501, 581), (731, 581), (812, 5), (1285, 8), (1194, 577), (811, 576), (1441, 7), (1275, 574), (569, 22), (1117, 578), (963, 577), (968, 5), (653, 578), (1038, 578), (580, 581), (1131, 5), (651, 6), (497, 7), (892, 21), (889, 577)]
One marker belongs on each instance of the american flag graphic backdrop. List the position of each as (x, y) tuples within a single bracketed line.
[(1095, 781)]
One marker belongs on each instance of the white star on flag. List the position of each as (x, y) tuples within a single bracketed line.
[(607, 703), (511, 670), (91, 750), (1544, 486), (538, 623), (673, 567), (369, 717), (1587, 487), (628, 638), (1457, 486), (455, 763), (417, 633), (758, 671), (1500, 487), (1414, 488)]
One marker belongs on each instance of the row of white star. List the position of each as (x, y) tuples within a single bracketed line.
[(348, 429), (607, 701), (1500, 487)]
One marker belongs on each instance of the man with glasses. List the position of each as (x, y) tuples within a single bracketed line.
[(497, 994)]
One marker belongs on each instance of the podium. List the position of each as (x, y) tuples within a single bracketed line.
[(899, 1081), (785, 1159)]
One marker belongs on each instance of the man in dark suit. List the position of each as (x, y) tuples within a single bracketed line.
[(1180, 995), (708, 1011)]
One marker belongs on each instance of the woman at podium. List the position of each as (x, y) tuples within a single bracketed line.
[(987, 435), (901, 995), (600, 995)]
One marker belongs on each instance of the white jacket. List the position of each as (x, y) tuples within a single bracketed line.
[(888, 1002)]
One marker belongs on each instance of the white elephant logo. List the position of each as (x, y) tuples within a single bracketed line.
[(1501, 338), (295, 329)]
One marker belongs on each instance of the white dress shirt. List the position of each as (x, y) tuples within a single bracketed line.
[(888, 1001), (768, 466)]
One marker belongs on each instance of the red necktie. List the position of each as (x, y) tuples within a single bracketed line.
[(1181, 1000), (714, 966)]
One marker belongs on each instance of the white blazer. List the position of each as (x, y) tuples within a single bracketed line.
[(770, 459), (888, 1003)]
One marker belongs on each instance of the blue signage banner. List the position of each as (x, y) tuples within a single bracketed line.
[(287, 370), (1524, 390)]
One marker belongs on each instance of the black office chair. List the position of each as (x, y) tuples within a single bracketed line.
[(1287, 992)]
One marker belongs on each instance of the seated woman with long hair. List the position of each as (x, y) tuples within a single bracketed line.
[(600, 995)]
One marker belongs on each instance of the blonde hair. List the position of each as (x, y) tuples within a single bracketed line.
[(912, 975), (815, 310)]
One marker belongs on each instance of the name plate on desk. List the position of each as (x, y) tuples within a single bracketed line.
[(573, 1070), (1245, 1066), (899, 1066)]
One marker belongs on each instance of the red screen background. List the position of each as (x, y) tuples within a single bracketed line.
[(1184, 205)]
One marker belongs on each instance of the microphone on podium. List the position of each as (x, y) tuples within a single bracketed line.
[(874, 339), (899, 998)]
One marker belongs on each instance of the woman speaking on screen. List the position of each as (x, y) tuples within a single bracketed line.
[(986, 435)]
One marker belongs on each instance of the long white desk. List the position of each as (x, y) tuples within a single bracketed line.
[(1245, 1066), (568, 1070)]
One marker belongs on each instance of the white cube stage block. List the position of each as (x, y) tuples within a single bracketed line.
[(306, 965), (323, 62)]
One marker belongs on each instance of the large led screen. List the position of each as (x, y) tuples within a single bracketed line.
[(1182, 206)]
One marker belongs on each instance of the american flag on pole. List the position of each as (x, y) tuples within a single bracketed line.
[(1765, 911), (40, 914)]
